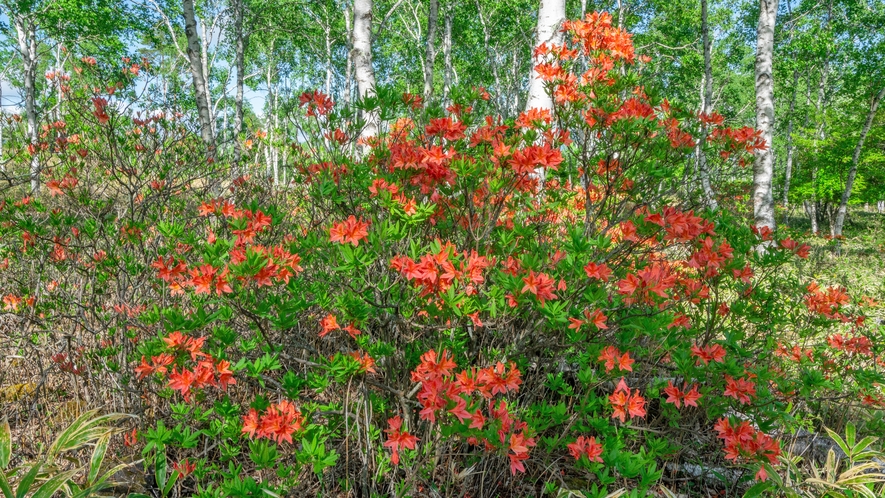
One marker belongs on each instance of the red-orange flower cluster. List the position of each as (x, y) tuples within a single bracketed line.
[(588, 447), (278, 423), (398, 439), (743, 441), (626, 403), (350, 231), (678, 397)]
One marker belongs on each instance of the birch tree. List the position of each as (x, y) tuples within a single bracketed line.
[(551, 14), (240, 66), (706, 108), (430, 49), (26, 35), (855, 158), (763, 166), (362, 60), (199, 74)]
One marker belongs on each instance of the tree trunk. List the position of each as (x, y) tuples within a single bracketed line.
[(855, 158), (788, 170), (706, 108), (348, 65), (59, 64), (492, 58), (551, 14), (240, 62), (447, 53), (268, 124), (763, 167), (820, 134), (328, 33), (27, 45), (204, 64), (362, 59), (430, 56), (199, 80), (811, 211)]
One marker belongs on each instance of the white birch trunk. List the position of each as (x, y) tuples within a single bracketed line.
[(348, 67), (820, 134), (447, 54), (763, 167), (26, 34), (551, 14), (855, 158), (362, 59), (430, 49), (706, 108), (328, 33), (204, 65), (240, 63), (196, 66)]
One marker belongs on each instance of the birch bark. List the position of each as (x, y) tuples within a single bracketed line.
[(196, 66), (362, 59), (763, 167), (430, 49), (551, 14), (706, 108), (239, 48), (26, 34), (447, 53)]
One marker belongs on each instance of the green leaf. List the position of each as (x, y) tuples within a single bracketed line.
[(757, 489), (160, 468), (5, 444), (169, 485), (850, 434), (54, 484), (86, 428), (839, 441), (100, 483), (25, 485), (101, 447), (4, 486)]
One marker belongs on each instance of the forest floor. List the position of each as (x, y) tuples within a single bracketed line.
[(856, 262)]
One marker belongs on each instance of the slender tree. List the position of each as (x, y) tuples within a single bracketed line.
[(430, 49), (788, 170), (855, 158), (447, 51), (26, 34), (706, 108), (551, 14), (362, 60), (198, 74), (763, 167), (240, 65)]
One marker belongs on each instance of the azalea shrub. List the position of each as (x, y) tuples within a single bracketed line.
[(458, 303)]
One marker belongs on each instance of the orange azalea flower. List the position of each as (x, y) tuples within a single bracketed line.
[(143, 370), (329, 323), (586, 447), (130, 438), (182, 382), (539, 284), (367, 363), (398, 439), (350, 231)]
